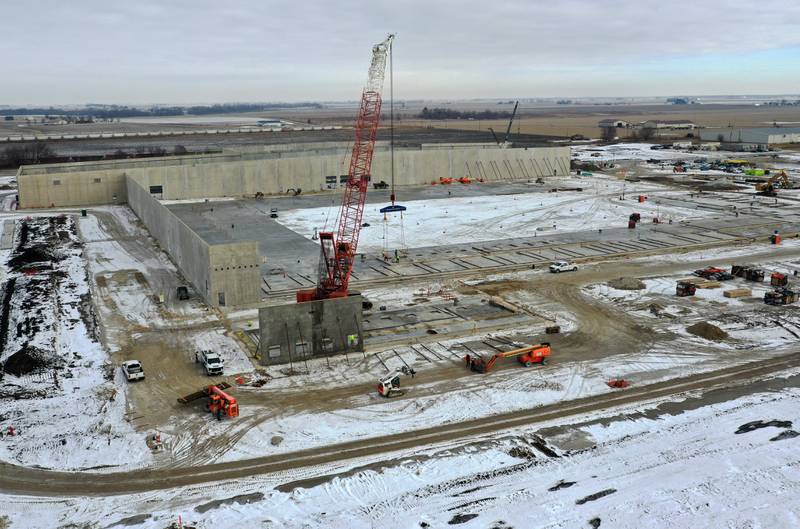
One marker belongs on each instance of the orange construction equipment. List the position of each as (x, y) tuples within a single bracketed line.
[(465, 180), (527, 356), (779, 180), (778, 279), (445, 180), (219, 403)]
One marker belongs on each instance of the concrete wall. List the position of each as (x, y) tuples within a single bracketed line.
[(230, 269), (275, 171), (412, 167), (235, 276), (305, 330), (48, 189)]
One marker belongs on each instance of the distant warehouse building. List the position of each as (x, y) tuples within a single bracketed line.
[(669, 124), (613, 124), (751, 139)]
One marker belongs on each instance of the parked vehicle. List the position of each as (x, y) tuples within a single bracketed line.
[(562, 266), (133, 370), (212, 363)]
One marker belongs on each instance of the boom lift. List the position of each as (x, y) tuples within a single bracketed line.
[(337, 252), (527, 356)]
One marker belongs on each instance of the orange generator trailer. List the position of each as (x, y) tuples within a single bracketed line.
[(527, 356)]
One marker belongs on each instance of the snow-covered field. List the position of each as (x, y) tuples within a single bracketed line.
[(69, 414), (691, 469), (491, 217)]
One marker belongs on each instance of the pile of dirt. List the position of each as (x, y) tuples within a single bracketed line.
[(595, 496), (461, 518), (562, 485), (27, 360), (30, 256), (626, 283), (521, 452), (755, 425), (708, 331)]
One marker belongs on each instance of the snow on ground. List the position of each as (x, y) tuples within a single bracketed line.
[(747, 320), (491, 217), (722, 253), (635, 151), (501, 391), (120, 275), (690, 469), (59, 391)]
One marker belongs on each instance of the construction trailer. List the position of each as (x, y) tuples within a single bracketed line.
[(527, 356)]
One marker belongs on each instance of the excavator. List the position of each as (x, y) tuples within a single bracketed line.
[(219, 403), (770, 187), (527, 356)]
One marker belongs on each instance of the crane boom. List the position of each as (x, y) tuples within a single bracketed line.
[(336, 254), (511, 122)]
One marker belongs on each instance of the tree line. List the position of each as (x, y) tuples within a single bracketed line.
[(446, 113), (122, 111)]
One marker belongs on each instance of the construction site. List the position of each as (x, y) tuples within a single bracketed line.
[(367, 332)]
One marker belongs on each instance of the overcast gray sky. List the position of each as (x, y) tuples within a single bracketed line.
[(194, 51)]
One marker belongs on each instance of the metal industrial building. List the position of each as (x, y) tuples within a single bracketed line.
[(757, 138)]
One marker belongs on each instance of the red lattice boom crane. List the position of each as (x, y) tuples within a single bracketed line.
[(337, 253)]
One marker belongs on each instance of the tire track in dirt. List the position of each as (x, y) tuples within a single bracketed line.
[(20, 480)]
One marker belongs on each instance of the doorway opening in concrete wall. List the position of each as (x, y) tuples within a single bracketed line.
[(221, 300)]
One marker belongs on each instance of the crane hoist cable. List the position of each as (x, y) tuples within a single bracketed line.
[(393, 207)]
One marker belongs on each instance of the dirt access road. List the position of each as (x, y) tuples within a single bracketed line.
[(19, 480), (604, 331)]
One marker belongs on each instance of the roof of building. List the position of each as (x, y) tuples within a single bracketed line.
[(670, 121)]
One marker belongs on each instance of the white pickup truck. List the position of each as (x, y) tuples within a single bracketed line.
[(212, 363), (133, 370), (562, 266)]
